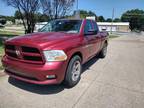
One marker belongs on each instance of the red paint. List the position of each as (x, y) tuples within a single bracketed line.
[(88, 46)]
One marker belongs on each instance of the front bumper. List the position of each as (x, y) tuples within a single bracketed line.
[(34, 73)]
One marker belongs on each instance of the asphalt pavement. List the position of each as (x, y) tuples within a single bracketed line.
[(114, 82)]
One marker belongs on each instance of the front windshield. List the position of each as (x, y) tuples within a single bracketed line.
[(68, 26)]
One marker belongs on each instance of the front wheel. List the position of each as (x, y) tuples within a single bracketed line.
[(73, 72)]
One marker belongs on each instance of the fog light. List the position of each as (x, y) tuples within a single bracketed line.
[(50, 76)]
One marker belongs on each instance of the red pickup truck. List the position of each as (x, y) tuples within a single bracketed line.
[(56, 53)]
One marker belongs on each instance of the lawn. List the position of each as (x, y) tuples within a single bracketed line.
[(1, 49), (1, 53), (113, 36), (9, 33)]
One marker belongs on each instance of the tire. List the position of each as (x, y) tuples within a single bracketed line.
[(73, 72), (103, 52)]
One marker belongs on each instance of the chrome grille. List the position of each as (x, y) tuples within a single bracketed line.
[(24, 53)]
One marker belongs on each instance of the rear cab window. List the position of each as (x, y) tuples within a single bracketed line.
[(88, 26), (95, 26)]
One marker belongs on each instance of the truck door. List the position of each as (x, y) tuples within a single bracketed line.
[(90, 38), (98, 37)]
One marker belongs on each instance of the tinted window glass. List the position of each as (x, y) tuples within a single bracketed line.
[(95, 26), (88, 26), (68, 26)]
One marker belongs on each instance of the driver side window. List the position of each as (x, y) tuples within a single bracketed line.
[(87, 27)]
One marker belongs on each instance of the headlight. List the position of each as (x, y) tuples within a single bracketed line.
[(55, 55)]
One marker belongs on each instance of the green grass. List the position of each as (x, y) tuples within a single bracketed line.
[(9, 34), (113, 36), (1, 67), (1, 53), (1, 48)]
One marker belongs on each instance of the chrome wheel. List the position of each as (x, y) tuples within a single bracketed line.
[(76, 70)]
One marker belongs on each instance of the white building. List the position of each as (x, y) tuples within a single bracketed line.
[(114, 27), (39, 25)]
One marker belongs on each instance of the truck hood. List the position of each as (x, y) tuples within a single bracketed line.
[(43, 39)]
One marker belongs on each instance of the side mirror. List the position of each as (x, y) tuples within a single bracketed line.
[(91, 32)]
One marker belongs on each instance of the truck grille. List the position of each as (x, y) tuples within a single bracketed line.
[(24, 53), (10, 47), (30, 49)]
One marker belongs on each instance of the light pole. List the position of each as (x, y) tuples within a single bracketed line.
[(77, 5), (77, 14), (112, 19)]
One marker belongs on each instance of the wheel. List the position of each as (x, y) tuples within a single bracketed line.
[(103, 52), (73, 72)]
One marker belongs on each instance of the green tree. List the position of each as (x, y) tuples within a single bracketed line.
[(84, 13), (2, 21), (101, 19), (135, 17), (17, 15), (42, 17), (90, 13), (117, 20), (10, 18), (109, 20)]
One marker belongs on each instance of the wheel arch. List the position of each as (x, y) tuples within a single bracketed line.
[(77, 53), (106, 42)]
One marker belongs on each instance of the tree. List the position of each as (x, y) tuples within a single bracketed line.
[(17, 15), (117, 20), (42, 17), (27, 10), (90, 13), (57, 8), (9, 18), (2, 21), (109, 20), (101, 19), (84, 13), (135, 17)]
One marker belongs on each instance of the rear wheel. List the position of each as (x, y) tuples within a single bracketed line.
[(73, 72), (103, 52)]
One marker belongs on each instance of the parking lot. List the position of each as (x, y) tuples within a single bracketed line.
[(114, 82)]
